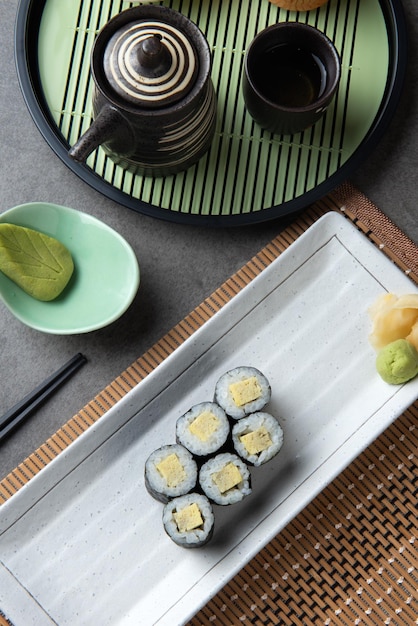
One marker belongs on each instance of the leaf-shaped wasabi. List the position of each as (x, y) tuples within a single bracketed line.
[(39, 264)]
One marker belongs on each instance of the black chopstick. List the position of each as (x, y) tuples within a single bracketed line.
[(20, 411)]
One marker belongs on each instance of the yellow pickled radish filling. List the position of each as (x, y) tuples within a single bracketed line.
[(171, 470), (244, 391), (204, 426), (227, 478), (188, 518), (256, 441)]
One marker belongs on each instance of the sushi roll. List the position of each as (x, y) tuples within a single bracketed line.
[(225, 479), (170, 471), (204, 429), (241, 391), (189, 520), (257, 438)]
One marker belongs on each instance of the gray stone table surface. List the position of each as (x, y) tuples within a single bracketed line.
[(180, 265)]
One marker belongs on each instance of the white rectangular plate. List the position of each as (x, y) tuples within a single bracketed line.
[(83, 543)]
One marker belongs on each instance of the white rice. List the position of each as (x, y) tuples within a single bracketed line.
[(197, 536), (156, 483), (250, 424), (192, 442), (216, 464), (223, 395)]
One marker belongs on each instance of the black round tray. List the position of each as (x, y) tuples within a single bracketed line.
[(248, 176)]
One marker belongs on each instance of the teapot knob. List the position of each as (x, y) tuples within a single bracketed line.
[(154, 58), (150, 64)]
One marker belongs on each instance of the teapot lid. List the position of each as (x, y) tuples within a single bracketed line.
[(150, 63)]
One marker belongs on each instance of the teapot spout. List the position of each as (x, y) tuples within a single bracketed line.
[(108, 126)]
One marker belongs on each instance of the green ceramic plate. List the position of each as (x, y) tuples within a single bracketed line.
[(249, 175), (105, 278)]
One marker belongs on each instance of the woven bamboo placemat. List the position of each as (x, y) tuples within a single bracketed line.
[(350, 557)]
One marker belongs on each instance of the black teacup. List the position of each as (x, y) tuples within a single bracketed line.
[(291, 73)]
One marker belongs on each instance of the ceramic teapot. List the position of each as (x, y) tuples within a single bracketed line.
[(154, 104)]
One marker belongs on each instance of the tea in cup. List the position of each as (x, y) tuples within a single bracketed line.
[(291, 73)]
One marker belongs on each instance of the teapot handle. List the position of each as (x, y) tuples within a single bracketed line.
[(109, 125)]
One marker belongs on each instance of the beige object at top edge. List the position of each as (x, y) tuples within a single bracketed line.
[(299, 5)]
